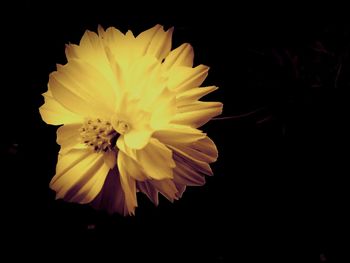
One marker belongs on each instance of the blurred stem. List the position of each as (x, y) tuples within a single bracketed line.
[(237, 116)]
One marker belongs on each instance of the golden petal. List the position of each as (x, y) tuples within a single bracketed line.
[(110, 158), (147, 188), (185, 174), (197, 113), (134, 169), (68, 136), (166, 187), (174, 134), (155, 42), (181, 56), (52, 112), (156, 160), (111, 197), (193, 95), (185, 78), (137, 139), (128, 185), (80, 175)]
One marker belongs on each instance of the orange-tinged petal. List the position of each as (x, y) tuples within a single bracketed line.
[(71, 52)]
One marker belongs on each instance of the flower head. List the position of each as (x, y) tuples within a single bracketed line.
[(130, 111)]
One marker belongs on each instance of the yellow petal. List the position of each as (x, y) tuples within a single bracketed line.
[(166, 187), (121, 47), (121, 145), (71, 51), (144, 39), (197, 155), (80, 175), (137, 139), (203, 150), (110, 158), (174, 134), (143, 78), (198, 106), (112, 36), (185, 174), (148, 94), (185, 78), (70, 99), (82, 89), (197, 113), (156, 160), (193, 95), (52, 112), (91, 50), (68, 136), (128, 110), (147, 188), (155, 42), (207, 147), (134, 170), (181, 56), (128, 185), (163, 110), (181, 188), (111, 197)]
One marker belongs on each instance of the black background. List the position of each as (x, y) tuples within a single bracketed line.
[(279, 192)]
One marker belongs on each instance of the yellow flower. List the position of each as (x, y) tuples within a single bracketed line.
[(130, 111)]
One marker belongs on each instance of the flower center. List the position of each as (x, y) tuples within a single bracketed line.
[(99, 135)]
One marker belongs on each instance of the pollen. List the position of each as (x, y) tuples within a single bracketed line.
[(98, 134)]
